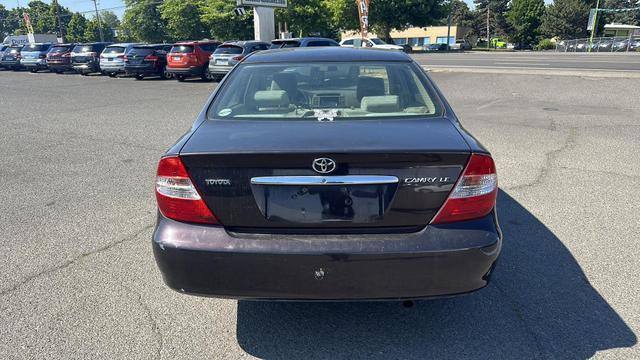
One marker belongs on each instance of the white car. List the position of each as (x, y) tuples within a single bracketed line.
[(372, 43)]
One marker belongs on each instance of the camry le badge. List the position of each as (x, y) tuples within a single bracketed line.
[(323, 165)]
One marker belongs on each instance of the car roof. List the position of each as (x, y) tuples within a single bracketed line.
[(302, 39), (326, 54), (124, 44), (196, 42), (95, 43), (244, 42)]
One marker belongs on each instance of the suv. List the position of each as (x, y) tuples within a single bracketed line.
[(112, 58), (85, 58), (302, 42), (229, 54), (3, 47), (147, 60), (462, 44), (189, 59), (59, 58), (11, 58), (34, 56)]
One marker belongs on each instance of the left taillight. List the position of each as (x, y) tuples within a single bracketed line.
[(177, 197), (474, 195)]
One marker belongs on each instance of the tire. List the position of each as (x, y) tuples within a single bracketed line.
[(164, 74), (180, 78), (112, 75), (34, 70), (139, 77), (84, 74), (206, 77)]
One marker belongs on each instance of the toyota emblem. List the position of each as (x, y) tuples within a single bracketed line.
[(324, 165)]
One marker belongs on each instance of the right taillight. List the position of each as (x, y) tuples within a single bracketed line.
[(474, 195), (177, 198)]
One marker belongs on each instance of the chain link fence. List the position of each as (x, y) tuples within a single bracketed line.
[(600, 44)]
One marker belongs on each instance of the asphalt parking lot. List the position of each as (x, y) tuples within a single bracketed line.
[(77, 205)]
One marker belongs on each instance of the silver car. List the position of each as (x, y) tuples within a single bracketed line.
[(34, 56), (227, 55), (112, 58)]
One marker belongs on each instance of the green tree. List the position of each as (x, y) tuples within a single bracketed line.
[(461, 15), (498, 25), (109, 22), (525, 17), (386, 15), (65, 17), (7, 24), (142, 21), (41, 20), (76, 28), (307, 17), (184, 19), (565, 19), (223, 23), (623, 17)]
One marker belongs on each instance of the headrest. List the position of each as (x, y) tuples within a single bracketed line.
[(271, 99), (370, 86), (284, 81), (380, 104)]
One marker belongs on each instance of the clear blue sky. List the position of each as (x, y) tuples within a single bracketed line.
[(87, 5)]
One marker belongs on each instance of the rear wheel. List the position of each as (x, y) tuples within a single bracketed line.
[(84, 73), (180, 78), (139, 77), (112, 74), (34, 70), (165, 74), (206, 76)]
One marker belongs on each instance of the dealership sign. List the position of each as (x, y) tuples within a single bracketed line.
[(263, 3)]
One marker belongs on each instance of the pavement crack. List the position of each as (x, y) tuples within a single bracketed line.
[(517, 310), (155, 328), (549, 158), (73, 261)]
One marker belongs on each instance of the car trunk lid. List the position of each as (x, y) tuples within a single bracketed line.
[(255, 179)]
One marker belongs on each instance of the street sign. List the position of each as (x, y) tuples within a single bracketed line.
[(263, 3)]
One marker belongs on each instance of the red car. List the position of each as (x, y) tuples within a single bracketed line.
[(190, 59)]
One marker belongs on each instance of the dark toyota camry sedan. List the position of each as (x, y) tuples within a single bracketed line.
[(326, 174)]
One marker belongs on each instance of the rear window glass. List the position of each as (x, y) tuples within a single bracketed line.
[(326, 91), (275, 45), (59, 49), (291, 44), (35, 47), (82, 48), (209, 47), (228, 49), (182, 49), (14, 50), (141, 50), (114, 50)]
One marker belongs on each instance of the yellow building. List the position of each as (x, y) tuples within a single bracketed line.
[(418, 37)]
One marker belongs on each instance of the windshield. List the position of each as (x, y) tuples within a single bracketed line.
[(82, 48), (59, 49), (325, 91), (377, 41), (228, 49), (35, 47), (114, 50), (181, 49)]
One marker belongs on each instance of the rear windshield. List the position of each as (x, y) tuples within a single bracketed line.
[(228, 49), (181, 49), (59, 49), (83, 48), (326, 91), (114, 50), (35, 47), (141, 50)]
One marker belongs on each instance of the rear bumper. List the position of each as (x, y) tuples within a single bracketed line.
[(10, 63), (59, 66), (86, 67), (187, 71), (219, 70), (34, 64), (142, 70), (437, 261), (111, 68)]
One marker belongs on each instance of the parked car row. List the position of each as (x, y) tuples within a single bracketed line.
[(205, 59), (600, 45)]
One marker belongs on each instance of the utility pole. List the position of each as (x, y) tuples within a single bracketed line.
[(59, 22), (448, 32), (488, 36), (95, 5)]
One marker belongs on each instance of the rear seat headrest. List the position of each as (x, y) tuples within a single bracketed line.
[(380, 104), (271, 99)]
